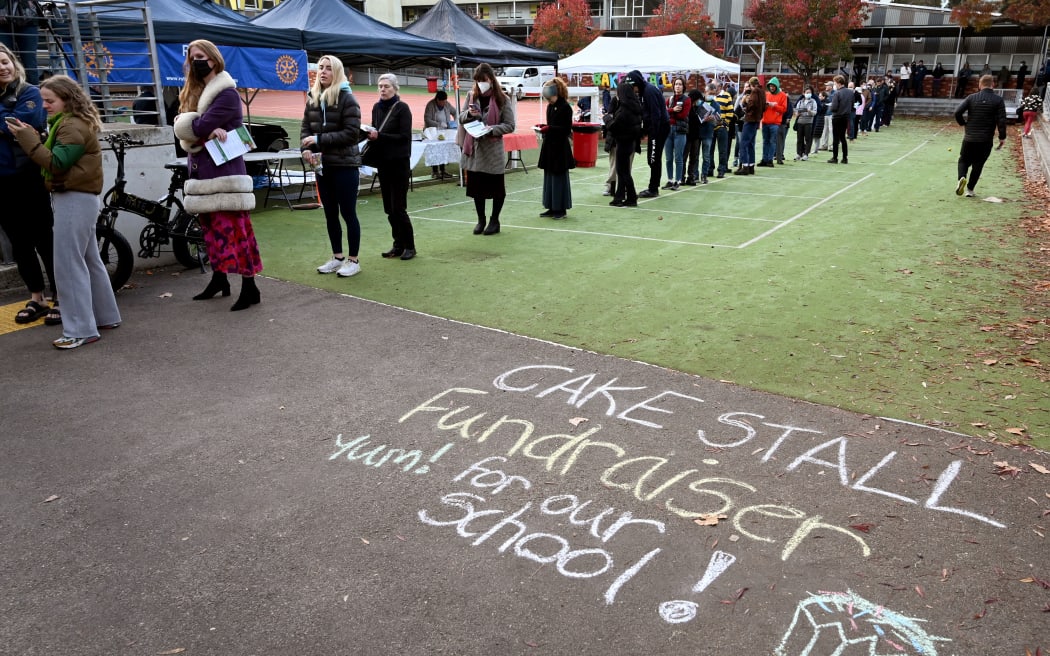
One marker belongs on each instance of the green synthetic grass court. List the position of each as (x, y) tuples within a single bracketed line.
[(862, 286)]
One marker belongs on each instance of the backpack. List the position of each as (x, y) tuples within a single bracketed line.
[(786, 118)]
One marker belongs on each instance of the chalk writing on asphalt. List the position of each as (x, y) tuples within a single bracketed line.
[(492, 508), (832, 622), (542, 547)]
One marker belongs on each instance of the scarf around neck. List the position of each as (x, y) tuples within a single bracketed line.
[(491, 117), (49, 143)]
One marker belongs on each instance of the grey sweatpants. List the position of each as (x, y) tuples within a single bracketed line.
[(85, 293)]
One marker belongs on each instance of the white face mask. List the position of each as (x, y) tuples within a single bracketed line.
[(809, 95), (484, 87)]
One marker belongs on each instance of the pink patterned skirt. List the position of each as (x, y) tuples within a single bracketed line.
[(230, 243)]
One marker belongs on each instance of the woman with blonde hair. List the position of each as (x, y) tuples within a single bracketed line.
[(71, 162), (556, 151), (221, 194), (484, 161), (330, 132), (27, 217)]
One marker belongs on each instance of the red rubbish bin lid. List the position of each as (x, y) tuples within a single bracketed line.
[(580, 126)]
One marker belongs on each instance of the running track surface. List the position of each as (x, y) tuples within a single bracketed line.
[(289, 104)]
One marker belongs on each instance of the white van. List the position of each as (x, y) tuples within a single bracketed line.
[(522, 81)]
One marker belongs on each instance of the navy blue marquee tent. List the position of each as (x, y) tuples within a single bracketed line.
[(475, 43), (335, 28)]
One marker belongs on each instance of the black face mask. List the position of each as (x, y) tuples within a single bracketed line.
[(201, 68)]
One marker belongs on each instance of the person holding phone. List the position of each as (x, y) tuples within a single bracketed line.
[(484, 161), (330, 132), (70, 160), (26, 219), (679, 106)]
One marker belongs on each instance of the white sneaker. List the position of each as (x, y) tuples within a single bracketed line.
[(959, 187), (331, 266), (969, 193), (805, 158), (349, 268)]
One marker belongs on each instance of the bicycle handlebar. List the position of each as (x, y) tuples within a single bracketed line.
[(122, 139)]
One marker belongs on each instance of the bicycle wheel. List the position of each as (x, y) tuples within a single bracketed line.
[(189, 249), (186, 252), (116, 255)]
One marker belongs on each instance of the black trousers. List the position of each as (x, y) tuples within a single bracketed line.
[(972, 157), (838, 135), (656, 147), (393, 182), (28, 222), (624, 180)]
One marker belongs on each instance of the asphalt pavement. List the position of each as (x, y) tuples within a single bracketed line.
[(326, 475)]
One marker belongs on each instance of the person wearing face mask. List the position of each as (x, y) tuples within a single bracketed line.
[(806, 111), (221, 194), (484, 161), (556, 152), (679, 107)]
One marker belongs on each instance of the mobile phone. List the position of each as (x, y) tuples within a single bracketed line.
[(11, 119)]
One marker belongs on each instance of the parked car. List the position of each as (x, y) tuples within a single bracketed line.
[(524, 81)]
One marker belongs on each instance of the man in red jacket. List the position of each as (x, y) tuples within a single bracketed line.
[(776, 105)]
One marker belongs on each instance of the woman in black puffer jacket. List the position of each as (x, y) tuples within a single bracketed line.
[(330, 133)]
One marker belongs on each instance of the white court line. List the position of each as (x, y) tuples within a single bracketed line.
[(922, 144), (587, 232), (804, 212), (671, 212)]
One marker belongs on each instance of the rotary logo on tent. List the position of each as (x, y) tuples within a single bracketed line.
[(287, 69), (97, 58)]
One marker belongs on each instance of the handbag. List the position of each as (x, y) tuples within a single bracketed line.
[(370, 156)]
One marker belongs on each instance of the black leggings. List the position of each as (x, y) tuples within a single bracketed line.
[(28, 222), (497, 207), (337, 187)]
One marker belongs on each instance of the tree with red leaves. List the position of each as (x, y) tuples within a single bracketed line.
[(978, 14), (685, 17), (809, 35), (563, 26)]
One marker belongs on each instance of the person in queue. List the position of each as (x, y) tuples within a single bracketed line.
[(806, 110), (330, 132), (393, 143), (772, 120), (625, 126), (27, 219), (221, 195), (656, 127), (753, 106), (840, 109), (484, 161), (439, 113), (679, 107), (556, 151), (71, 162)]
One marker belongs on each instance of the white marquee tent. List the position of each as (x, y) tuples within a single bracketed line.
[(654, 54)]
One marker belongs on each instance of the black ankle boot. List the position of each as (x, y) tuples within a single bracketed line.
[(218, 283), (249, 295), (493, 226), (480, 227)]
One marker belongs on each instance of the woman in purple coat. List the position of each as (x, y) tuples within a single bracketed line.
[(222, 194)]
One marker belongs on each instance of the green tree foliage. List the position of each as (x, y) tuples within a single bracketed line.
[(808, 34), (687, 17), (563, 27), (979, 14)]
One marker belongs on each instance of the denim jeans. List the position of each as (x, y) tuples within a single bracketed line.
[(769, 141), (747, 144), (674, 154)]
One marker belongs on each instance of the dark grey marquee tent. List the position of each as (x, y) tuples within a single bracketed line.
[(475, 42), (335, 28)]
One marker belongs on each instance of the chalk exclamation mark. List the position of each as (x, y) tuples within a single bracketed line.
[(434, 458), (681, 610)]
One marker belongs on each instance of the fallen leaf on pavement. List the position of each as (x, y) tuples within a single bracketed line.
[(1006, 469), (166, 295), (53, 497), (177, 650), (576, 421), (709, 519), (1039, 468), (863, 528)]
